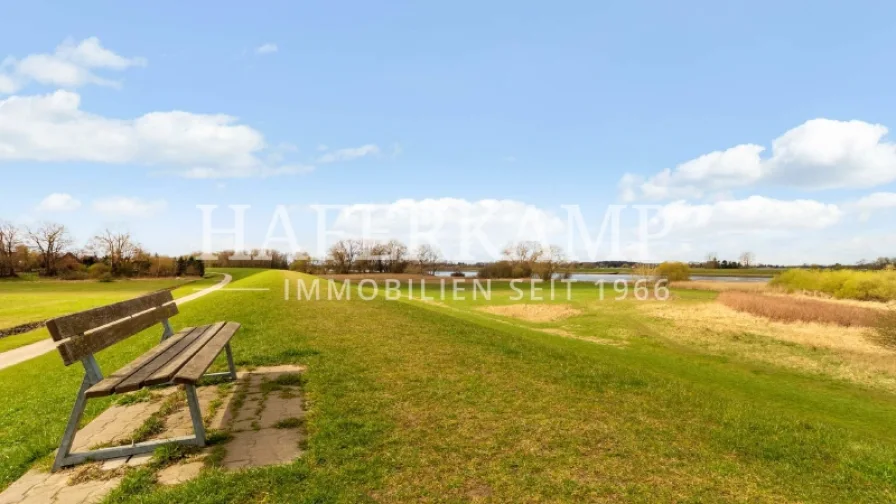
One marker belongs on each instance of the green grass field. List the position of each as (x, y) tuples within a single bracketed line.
[(24, 301), (442, 401)]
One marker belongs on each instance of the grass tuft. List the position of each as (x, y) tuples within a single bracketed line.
[(171, 453), (140, 396), (289, 423), (137, 482)]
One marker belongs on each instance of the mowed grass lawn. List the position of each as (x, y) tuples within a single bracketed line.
[(415, 401), (24, 301)]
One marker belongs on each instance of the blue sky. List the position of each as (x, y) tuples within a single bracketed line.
[(117, 110)]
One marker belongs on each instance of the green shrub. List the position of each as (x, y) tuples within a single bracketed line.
[(500, 269), (841, 284), (73, 275), (98, 270), (674, 271)]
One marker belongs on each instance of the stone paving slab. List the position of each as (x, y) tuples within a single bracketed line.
[(114, 425), (262, 447), (41, 488), (180, 473)]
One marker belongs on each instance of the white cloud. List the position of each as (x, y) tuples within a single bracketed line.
[(818, 154), (877, 201), (59, 202), (71, 65), (243, 172), (53, 128), (756, 213), (120, 206), (266, 48), (349, 154), (462, 229)]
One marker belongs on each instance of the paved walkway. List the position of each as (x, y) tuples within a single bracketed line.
[(21, 354)]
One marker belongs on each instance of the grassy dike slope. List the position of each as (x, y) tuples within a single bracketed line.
[(414, 402)]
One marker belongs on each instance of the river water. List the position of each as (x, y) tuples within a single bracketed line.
[(611, 277)]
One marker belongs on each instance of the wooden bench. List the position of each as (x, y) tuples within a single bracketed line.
[(181, 358)]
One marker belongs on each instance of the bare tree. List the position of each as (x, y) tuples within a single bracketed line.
[(427, 258), (712, 260), (549, 262), (50, 239), (9, 242), (523, 253), (747, 259), (343, 255), (117, 247), (396, 256)]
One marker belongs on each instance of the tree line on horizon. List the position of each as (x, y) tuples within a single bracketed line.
[(48, 250)]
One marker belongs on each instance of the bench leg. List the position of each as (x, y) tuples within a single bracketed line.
[(195, 413), (230, 361), (72, 427)]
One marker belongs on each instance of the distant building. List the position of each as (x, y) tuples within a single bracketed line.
[(68, 261)]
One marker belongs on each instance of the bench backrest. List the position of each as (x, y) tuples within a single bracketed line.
[(84, 333)]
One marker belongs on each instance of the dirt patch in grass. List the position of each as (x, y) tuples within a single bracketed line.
[(533, 312), (792, 309), (19, 329), (848, 353), (567, 334)]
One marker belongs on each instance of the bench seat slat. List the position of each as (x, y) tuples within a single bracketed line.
[(107, 386), (137, 379), (193, 370), (167, 372)]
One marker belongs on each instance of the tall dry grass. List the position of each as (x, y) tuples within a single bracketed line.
[(790, 309), (886, 328), (720, 286)]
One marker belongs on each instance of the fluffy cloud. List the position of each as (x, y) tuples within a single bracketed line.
[(59, 202), (460, 228), (349, 154), (53, 128), (266, 49), (818, 154), (71, 65), (877, 201), (120, 206), (478, 230), (756, 213)]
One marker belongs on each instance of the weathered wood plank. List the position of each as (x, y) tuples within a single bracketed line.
[(136, 380), (193, 370), (167, 372), (78, 347), (78, 323), (107, 386)]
